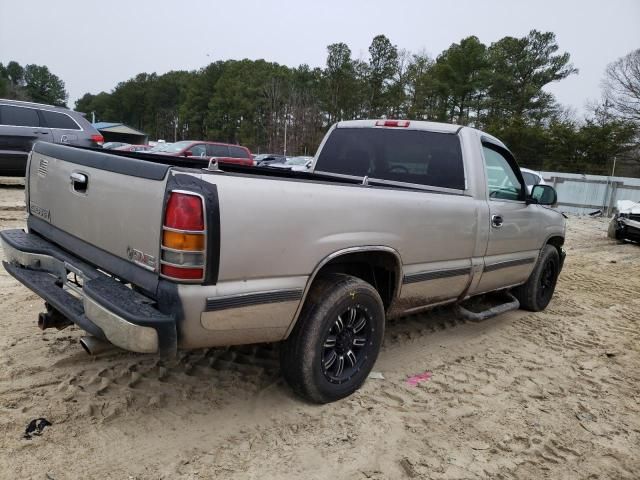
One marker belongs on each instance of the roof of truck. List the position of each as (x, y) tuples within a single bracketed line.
[(413, 125), (437, 127)]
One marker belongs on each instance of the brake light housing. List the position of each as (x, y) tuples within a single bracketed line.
[(393, 123), (98, 139), (184, 237)]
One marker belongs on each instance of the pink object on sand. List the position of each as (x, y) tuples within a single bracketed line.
[(419, 378)]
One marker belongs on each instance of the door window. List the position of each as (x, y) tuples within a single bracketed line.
[(501, 177), (217, 150), (237, 152), (59, 120), (198, 150), (19, 116)]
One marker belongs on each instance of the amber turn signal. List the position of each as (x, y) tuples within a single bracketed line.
[(183, 241)]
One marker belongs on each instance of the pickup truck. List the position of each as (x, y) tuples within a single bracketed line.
[(156, 253)]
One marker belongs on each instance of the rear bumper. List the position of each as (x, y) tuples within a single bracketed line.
[(102, 305)]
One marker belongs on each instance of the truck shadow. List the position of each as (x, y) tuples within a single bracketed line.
[(118, 383)]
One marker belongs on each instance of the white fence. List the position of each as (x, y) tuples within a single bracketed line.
[(582, 194)]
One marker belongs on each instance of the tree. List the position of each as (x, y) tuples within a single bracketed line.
[(383, 65), (520, 68), (461, 72), (622, 86), (339, 83), (43, 86), (15, 74)]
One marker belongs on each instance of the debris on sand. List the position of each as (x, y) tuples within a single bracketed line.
[(36, 427), (415, 380)]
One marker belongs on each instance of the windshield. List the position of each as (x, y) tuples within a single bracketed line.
[(161, 147), (297, 160), (176, 147)]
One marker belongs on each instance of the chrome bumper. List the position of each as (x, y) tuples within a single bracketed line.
[(125, 317)]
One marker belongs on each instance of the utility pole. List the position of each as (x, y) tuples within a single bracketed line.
[(286, 118)]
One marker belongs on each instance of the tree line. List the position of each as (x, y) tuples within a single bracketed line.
[(33, 83), (499, 88)]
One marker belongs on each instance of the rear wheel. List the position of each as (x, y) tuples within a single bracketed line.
[(336, 340), (536, 294)]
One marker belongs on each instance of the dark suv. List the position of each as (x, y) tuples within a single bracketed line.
[(23, 123)]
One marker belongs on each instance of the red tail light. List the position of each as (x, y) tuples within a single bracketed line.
[(99, 139), (182, 273), (392, 123), (184, 212), (184, 237)]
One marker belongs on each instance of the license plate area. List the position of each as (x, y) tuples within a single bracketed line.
[(74, 280)]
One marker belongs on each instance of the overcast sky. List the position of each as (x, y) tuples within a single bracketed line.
[(94, 45)]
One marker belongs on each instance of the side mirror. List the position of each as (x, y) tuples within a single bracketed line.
[(188, 153), (543, 195)]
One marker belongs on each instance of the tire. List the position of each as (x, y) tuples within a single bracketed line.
[(307, 362), (537, 292)]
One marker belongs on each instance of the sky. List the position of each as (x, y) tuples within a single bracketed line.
[(92, 46)]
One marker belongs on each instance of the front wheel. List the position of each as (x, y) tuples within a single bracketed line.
[(336, 340), (536, 294)]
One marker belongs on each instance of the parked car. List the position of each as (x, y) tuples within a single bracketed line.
[(160, 147), (265, 159), (134, 148), (23, 123), (625, 224), (225, 153), (532, 178), (114, 145), (393, 217), (296, 164)]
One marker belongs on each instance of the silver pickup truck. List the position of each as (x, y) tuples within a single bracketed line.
[(154, 254)]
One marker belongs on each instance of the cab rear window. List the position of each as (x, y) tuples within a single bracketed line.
[(407, 156)]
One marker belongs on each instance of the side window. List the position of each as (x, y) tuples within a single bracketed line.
[(502, 179), (237, 152), (217, 150), (19, 116), (198, 150), (59, 120)]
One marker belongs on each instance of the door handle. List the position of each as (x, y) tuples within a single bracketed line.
[(496, 221), (78, 177), (79, 182)]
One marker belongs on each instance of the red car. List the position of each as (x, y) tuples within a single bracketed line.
[(225, 153)]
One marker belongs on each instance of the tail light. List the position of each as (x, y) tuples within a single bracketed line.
[(99, 139), (184, 237), (392, 123)]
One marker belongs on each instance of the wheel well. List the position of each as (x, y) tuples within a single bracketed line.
[(381, 269), (556, 242)]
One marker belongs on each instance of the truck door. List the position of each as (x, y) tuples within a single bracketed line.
[(514, 237)]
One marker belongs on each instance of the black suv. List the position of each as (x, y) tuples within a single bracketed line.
[(23, 123)]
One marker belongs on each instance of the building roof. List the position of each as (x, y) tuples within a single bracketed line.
[(117, 128)]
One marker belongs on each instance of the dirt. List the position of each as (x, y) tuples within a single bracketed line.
[(524, 395)]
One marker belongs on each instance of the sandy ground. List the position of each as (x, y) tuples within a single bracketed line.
[(527, 396)]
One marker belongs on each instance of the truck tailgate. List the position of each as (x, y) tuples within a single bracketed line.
[(118, 209)]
